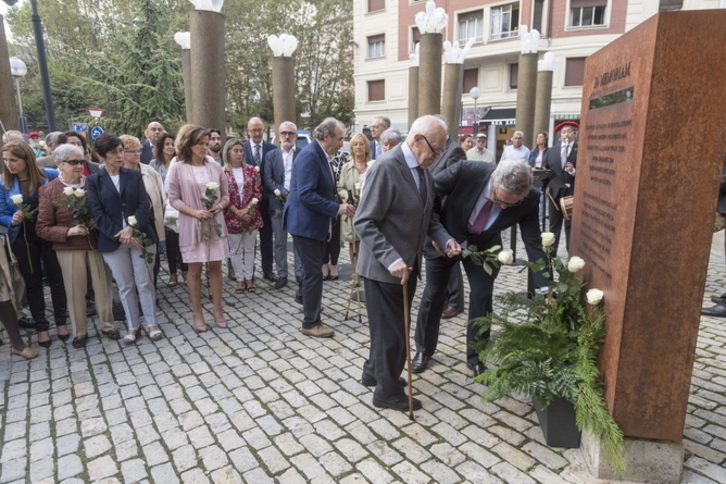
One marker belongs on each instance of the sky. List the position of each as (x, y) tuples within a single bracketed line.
[(3, 11)]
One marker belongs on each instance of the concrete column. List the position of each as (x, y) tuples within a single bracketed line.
[(186, 58), (207, 61), (451, 103), (8, 106), (542, 106), (526, 90), (429, 92), (412, 94), (283, 89)]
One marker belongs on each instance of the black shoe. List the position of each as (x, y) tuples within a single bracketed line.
[(26, 322), (396, 403), (418, 365), (369, 381), (719, 300), (269, 276), (46, 344), (298, 296), (64, 337), (280, 282), (477, 368), (90, 310), (718, 311), (112, 334), (80, 341)]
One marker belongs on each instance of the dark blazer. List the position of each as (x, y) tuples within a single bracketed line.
[(311, 207), (275, 176), (391, 220), (555, 164), (462, 184), (109, 207), (373, 149), (147, 152), (250, 157)]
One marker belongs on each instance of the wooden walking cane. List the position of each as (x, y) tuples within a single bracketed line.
[(406, 329), (356, 287)]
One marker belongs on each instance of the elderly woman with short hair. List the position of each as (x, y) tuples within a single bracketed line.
[(74, 245), (390, 139)]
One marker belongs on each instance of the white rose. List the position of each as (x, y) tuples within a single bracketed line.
[(506, 256), (575, 264), (69, 191), (254, 202), (357, 186), (17, 199), (594, 296), (277, 192), (132, 221), (548, 239), (79, 192), (257, 169), (212, 185)]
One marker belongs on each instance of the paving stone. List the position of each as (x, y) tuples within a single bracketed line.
[(213, 458), (13, 469), (102, 467), (133, 470), (185, 458), (273, 459)]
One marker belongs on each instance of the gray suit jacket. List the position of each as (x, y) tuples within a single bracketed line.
[(391, 220)]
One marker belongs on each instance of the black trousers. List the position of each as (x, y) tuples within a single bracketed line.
[(35, 257), (434, 297), (387, 356), (173, 254), (556, 220), (332, 248), (311, 254), (266, 244)]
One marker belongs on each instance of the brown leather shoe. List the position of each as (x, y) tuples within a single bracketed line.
[(450, 312), (28, 353), (320, 331)]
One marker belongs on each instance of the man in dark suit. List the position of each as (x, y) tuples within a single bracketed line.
[(278, 172), (481, 201), (255, 151), (394, 216), (719, 309), (378, 126), (152, 133), (564, 167), (309, 213)]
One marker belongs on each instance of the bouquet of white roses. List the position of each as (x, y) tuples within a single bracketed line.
[(207, 226), (29, 215)]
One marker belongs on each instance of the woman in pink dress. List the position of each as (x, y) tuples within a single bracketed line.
[(243, 214), (202, 229)]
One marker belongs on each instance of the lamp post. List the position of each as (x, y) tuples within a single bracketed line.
[(43, 66), (185, 42), (453, 73), (474, 93), (430, 23), (283, 77), (18, 69), (8, 111), (206, 25), (543, 99), (527, 81)]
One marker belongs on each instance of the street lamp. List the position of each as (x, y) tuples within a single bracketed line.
[(474, 93), (18, 69)]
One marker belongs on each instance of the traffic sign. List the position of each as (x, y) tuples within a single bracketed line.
[(80, 127), (96, 132)]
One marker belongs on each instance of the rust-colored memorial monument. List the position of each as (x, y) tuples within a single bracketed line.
[(651, 150)]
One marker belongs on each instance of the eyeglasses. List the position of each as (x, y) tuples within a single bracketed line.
[(287, 133), (506, 204), (436, 153), (72, 162), (133, 152)]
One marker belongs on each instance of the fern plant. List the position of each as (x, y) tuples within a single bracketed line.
[(547, 348)]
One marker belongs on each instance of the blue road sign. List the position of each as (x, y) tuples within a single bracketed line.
[(96, 132)]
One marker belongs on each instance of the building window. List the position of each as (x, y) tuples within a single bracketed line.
[(670, 5), (376, 5), (538, 15), (471, 79), (415, 38), (471, 25), (513, 75), (574, 71), (377, 90), (587, 13), (377, 46), (505, 22)]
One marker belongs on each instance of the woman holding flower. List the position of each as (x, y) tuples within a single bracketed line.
[(243, 216), (18, 208), (126, 236), (197, 187), (64, 219)]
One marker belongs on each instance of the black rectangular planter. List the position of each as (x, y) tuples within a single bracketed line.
[(557, 422)]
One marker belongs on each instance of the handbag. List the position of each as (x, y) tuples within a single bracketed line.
[(171, 217)]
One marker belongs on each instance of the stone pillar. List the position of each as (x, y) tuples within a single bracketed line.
[(186, 58), (8, 106), (283, 89), (543, 102), (207, 56), (526, 90), (412, 94), (451, 108), (429, 91), (643, 217)]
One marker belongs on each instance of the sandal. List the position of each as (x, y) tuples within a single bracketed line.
[(131, 336), (184, 277), (250, 286), (200, 328), (241, 288), (154, 332), (219, 321), (173, 282)]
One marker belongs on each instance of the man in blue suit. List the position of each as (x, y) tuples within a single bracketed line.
[(152, 133), (309, 214), (378, 126), (255, 151)]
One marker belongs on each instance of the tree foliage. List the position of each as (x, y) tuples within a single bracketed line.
[(121, 57)]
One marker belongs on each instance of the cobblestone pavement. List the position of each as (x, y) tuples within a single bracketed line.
[(260, 402)]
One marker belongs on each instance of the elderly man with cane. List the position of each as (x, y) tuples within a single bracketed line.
[(392, 220)]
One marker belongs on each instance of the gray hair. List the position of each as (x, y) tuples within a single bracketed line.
[(425, 125), (7, 134), (386, 121), (518, 133), (52, 137), (327, 126), (391, 134), (63, 152), (513, 176), (288, 123)]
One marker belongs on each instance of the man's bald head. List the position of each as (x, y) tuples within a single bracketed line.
[(255, 129), (153, 131)]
